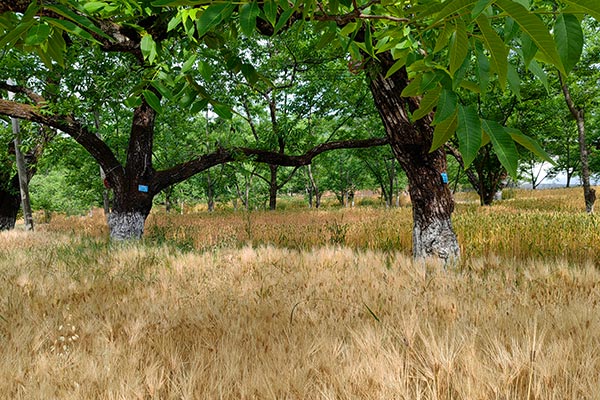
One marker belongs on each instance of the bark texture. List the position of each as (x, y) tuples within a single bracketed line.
[(126, 225), (432, 202)]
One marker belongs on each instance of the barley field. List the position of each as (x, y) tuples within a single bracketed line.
[(305, 304)]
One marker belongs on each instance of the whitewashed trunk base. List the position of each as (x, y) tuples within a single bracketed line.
[(126, 225), (437, 240)]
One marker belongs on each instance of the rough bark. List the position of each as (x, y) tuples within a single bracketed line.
[(126, 225), (431, 199)]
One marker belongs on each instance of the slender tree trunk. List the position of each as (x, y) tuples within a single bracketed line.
[(23, 178), (589, 194), (273, 187), (22, 175), (433, 235), (315, 188), (210, 193), (168, 199)]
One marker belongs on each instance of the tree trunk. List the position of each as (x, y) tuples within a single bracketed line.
[(433, 235), (589, 194), (210, 194), (22, 174), (315, 188), (10, 202), (130, 210), (273, 187)]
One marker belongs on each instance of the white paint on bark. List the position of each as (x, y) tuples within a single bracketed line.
[(436, 240), (126, 225)]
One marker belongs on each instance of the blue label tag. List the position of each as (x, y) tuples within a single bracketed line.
[(143, 188), (444, 177)]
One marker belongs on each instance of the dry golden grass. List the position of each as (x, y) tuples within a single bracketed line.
[(270, 315)]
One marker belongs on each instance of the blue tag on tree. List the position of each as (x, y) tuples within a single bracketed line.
[(143, 188), (444, 177)]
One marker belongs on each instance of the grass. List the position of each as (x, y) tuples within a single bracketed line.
[(304, 305)]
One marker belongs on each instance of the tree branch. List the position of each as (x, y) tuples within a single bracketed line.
[(95, 146), (185, 170), (36, 98)]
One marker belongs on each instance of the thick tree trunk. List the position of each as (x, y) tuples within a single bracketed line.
[(130, 210), (10, 202), (431, 198)]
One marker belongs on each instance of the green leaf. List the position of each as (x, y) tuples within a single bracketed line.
[(213, 16), (369, 40), (539, 72), (37, 35), (529, 144), (504, 146), (479, 7), (13, 35), (413, 88), (222, 110), (468, 132), (248, 14), (177, 3), (152, 100), (328, 36), (514, 81), (429, 80), (188, 64), (569, 40), (283, 19), (93, 6), (483, 71), (162, 89), (174, 22), (205, 70), (56, 48), (148, 47), (459, 47), (427, 103), (133, 101), (70, 27), (270, 10), (79, 19), (528, 47), (446, 106), (459, 75), (453, 7), (348, 29), (496, 48), (591, 7), (394, 68), (444, 37), (533, 26), (444, 131), (199, 106), (250, 73)]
